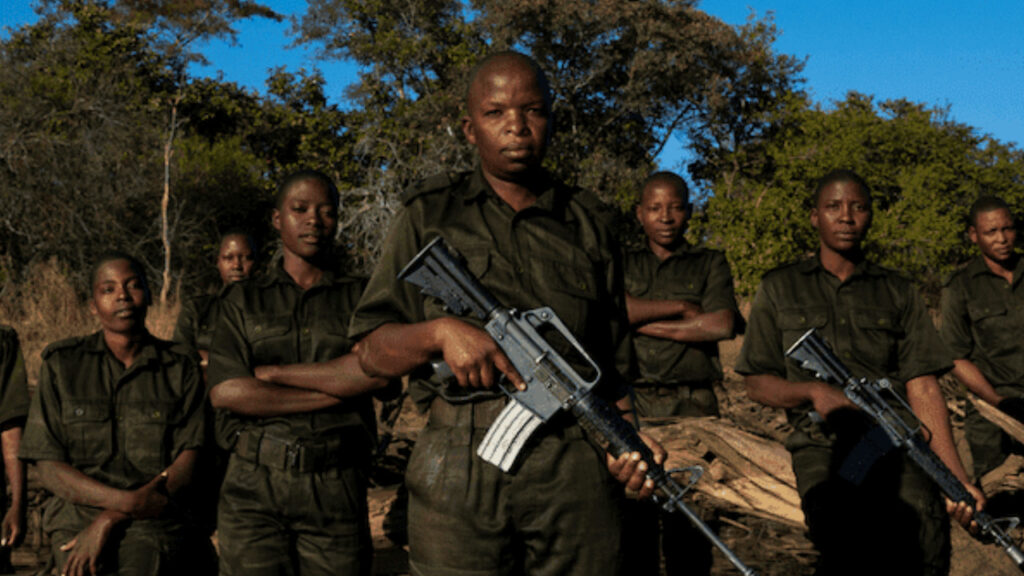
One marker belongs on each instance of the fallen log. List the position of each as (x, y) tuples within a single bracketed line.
[(751, 474)]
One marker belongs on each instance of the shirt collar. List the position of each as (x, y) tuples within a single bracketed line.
[(977, 267), (275, 274), (147, 353), (549, 199), (864, 267)]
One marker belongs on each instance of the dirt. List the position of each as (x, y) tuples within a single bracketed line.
[(770, 548)]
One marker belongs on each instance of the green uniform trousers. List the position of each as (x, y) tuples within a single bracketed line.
[(686, 550), (893, 524), (277, 522), (555, 513)]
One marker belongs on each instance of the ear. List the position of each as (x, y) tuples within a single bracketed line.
[(814, 217), (972, 233), (275, 219), (467, 129), (92, 307), (639, 218)]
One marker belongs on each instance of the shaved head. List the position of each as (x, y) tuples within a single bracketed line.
[(501, 62)]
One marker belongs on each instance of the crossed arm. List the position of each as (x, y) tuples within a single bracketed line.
[(679, 320), (295, 388), (118, 506)]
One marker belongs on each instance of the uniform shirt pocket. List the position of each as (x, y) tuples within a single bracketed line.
[(89, 431), (146, 429), (570, 288), (876, 340), (269, 335), (993, 327), (794, 322)]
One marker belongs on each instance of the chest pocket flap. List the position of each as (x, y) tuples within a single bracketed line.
[(89, 437), (146, 431), (266, 326), (802, 318), (867, 318), (981, 310), (576, 279)]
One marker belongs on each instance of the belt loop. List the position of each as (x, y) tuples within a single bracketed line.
[(293, 455)]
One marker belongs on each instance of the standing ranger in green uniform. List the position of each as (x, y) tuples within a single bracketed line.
[(114, 429), (891, 522), (533, 242), (681, 303), (983, 324), (13, 410), (236, 258), (293, 499)]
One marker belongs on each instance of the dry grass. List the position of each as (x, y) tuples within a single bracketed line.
[(44, 308)]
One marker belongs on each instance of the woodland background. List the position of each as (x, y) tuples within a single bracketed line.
[(106, 140)]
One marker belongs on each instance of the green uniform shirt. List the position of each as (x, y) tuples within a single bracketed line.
[(272, 320), (13, 380), (197, 320), (120, 426), (875, 322), (983, 321), (693, 274), (557, 253)]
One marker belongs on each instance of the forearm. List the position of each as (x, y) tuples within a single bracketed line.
[(340, 377), (925, 399), (10, 442), (181, 471), (778, 392), (705, 327), (253, 397), (68, 483), (643, 310), (394, 350), (969, 375)]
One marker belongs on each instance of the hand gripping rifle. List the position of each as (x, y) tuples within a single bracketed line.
[(814, 354), (552, 384)]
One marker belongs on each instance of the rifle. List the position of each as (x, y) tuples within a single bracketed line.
[(530, 340), (814, 354)]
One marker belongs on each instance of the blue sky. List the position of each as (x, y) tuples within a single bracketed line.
[(938, 52)]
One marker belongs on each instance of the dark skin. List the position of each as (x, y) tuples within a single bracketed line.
[(12, 531), (235, 261), (664, 212), (120, 301), (307, 220), (995, 234), (508, 122), (842, 217)]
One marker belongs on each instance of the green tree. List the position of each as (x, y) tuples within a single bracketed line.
[(626, 77), (924, 170), (80, 138)]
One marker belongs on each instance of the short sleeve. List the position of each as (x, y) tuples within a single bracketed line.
[(719, 293), (762, 351), (386, 298), (230, 353), (190, 432), (921, 351), (44, 437), (186, 328), (955, 326), (14, 401)]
